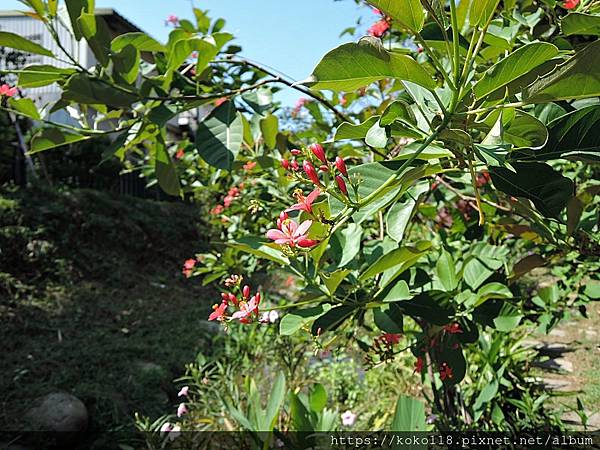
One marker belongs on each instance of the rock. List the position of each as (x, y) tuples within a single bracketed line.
[(557, 333), (556, 365), (61, 413), (554, 384)]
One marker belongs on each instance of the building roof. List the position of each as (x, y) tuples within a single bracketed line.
[(113, 19)]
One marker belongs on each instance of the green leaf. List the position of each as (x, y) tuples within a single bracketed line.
[(317, 398), (396, 257), (580, 24), (126, 63), (400, 214), (548, 189), (219, 136), (97, 34), (166, 174), (269, 126), (259, 247), (334, 279), (574, 136), (388, 318), (87, 91), (481, 11), (42, 75), (295, 321), (446, 271), (515, 65), (355, 65), (408, 13), (508, 318), (475, 273), (398, 110), (578, 77), (347, 243), (525, 131), (299, 414), (275, 402), (351, 131), (409, 416), (428, 305), (332, 319), (400, 291), (52, 7), (377, 136), (139, 40), (26, 107), (430, 152), (17, 42), (492, 291), (75, 8), (52, 137)]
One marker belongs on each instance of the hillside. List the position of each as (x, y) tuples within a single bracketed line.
[(87, 307)]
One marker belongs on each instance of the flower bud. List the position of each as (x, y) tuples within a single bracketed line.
[(342, 185), (310, 172), (307, 243), (246, 291), (319, 152), (224, 296), (295, 166), (257, 298), (341, 166), (285, 164), (233, 299), (283, 216), (296, 152)]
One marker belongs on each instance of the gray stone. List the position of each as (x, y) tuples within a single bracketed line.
[(59, 412), (554, 384)]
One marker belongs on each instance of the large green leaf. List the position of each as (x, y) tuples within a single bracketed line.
[(219, 136), (578, 77), (388, 318), (408, 13), (349, 130), (26, 107), (274, 403), (17, 42), (574, 135), (296, 320), (166, 174), (396, 257), (409, 416), (42, 75), (346, 243), (97, 34), (354, 65), (446, 271), (139, 40), (525, 131), (53, 137), (548, 189), (332, 319), (582, 24), (399, 215), (88, 91), (515, 65), (259, 247), (75, 8)]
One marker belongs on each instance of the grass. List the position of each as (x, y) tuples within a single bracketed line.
[(92, 302)]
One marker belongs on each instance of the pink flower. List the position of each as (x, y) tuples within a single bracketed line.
[(167, 426), (269, 317), (379, 28), (285, 164), (219, 312), (348, 418), (319, 152), (181, 410), (180, 154), (310, 172), (305, 203), (300, 103), (189, 263), (217, 210), (341, 184), (249, 166), (341, 166), (292, 234), (183, 392), (6, 90), (571, 4), (220, 101), (247, 309), (173, 20)]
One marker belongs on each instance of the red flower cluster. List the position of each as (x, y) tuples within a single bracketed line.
[(6, 90), (188, 267), (482, 179), (571, 4), (379, 28), (445, 371), (245, 303)]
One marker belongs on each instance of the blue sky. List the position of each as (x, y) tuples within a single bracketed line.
[(290, 35)]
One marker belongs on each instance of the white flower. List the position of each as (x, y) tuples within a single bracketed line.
[(181, 410), (166, 427), (273, 316), (348, 418)]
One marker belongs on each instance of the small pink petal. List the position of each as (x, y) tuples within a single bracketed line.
[(303, 228), (276, 234)]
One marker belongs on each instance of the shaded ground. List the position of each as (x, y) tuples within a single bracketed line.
[(92, 302)]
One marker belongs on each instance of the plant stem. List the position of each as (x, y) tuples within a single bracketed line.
[(455, 42), (436, 62), (474, 183)]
